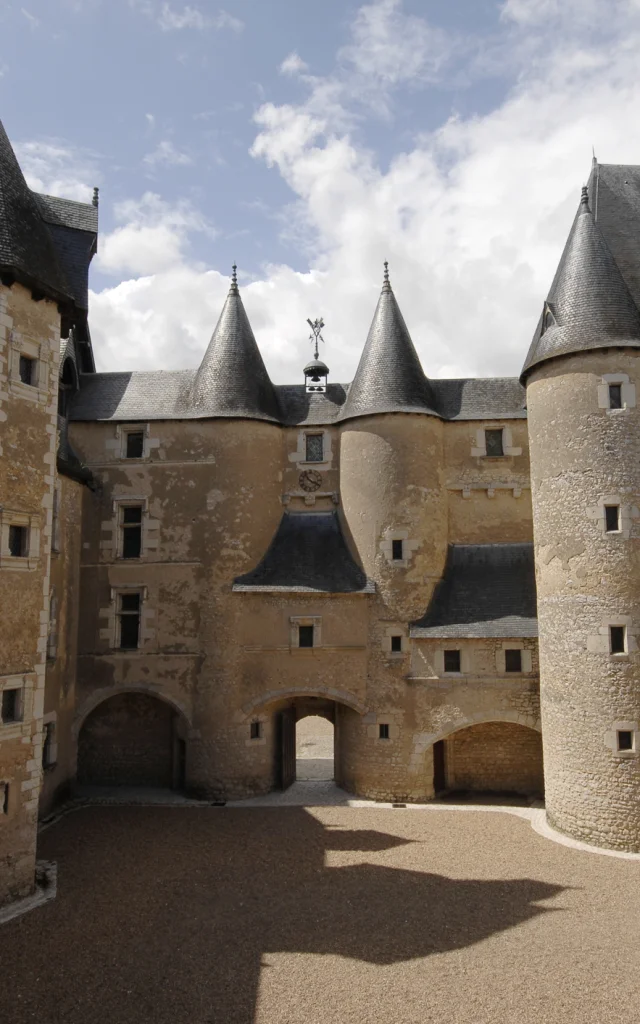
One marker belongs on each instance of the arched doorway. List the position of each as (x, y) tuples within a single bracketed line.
[(490, 757), (314, 749), (132, 739)]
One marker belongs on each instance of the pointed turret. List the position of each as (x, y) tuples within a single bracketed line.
[(232, 379), (389, 377), (27, 251), (589, 305)]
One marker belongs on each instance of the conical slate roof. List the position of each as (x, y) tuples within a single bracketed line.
[(26, 246), (389, 377), (232, 379), (589, 305)]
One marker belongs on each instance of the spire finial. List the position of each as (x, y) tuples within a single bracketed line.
[(386, 284), (96, 197), (315, 336), (234, 280), (584, 196)]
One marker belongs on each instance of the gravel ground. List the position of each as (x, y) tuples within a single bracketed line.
[(330, 915)]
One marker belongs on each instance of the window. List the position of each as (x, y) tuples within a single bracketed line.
[(383, 731), (135, 444), (615, 396), (18, 541), (397, 552), (396, 644), (624, 739), (48, 748), (4, 797), (131, 528), (55, 519), (452, 661), (129, 621), (27, 370), (314, 448), (612, 518), (52, 631), (11, 710), (305, 636), (493, 443), (513, 661), (256, 730), (617, 639)]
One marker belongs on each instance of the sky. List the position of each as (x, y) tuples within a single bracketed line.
[(309, 141)]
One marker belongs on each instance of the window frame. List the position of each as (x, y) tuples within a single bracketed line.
[(612, 529), (395, 643), (617, 385), (623, 635), (312, 435), (128, 614), (24, 534), (448, 651), (18, 705), (127, 530), (394, 549), (496, 432), (513, 651), (127, 436), (306, 626), (631, 748), (383, 731)]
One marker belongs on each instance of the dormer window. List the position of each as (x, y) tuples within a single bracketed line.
[(548, 320), (314, 448), (494, 446)]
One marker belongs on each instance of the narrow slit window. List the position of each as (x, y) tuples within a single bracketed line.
[(256, 730), (135, 444), (129, 621), (11, 706), (27, 370), (397, 550), (625, 739), (612, 518), (131, 531), (513, 660), (18, 541), (615, 396), (48, 735), (617, 639), (305, 636), (452, 661), (493, 443), (314, 448), (383, 731), (396, 644), (4, 797)]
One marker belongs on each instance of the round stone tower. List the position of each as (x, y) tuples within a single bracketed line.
[(391, 466), (581, 375)]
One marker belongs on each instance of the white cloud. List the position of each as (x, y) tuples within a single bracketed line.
[(152, 236), (57, 169), (293, 64), (166, 153), (171, 20), (472, 216), (31, 18)]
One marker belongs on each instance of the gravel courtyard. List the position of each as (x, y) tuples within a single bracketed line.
[(329, 915)]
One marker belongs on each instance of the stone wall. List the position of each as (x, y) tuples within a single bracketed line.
[(497, 756), (128, 740)]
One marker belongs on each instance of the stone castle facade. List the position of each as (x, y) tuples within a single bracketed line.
[(192, 561)]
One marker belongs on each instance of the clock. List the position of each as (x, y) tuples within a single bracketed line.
[(310, 480)]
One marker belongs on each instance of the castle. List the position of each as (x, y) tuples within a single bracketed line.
[(192, 561)]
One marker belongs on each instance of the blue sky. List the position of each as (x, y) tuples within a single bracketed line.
[(309, 141)]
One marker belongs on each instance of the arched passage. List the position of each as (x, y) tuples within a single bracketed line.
[(132, 739), (498, 757), (314, 749)]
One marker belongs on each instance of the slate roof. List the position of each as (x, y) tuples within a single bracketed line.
[(590, 304), (74, 229), (614, 190), (389, 377), (487, 590), (232, 379), (27, 248), (480, 398), (67, 213), (307, 554)]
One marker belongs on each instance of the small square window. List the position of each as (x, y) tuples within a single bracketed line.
[(493, 443), (27, 370), (396, 644), (256, 730), (135, 444), (18, 541), (11, 706), (513, 661), (314, 448), (617, 639), (397, 550), (452, 661), (615, 396), (612, 518), (305, 636), (625, 739), (383, 731), (4, 797)]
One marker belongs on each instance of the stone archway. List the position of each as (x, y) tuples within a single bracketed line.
[(490, 757), (132, 739)]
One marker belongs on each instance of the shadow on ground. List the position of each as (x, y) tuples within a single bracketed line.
[(164, 915)]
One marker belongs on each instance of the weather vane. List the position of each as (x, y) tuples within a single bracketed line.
[(316, 326)]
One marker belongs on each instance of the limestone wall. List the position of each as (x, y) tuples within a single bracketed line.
[(495, 756), (583, 456)]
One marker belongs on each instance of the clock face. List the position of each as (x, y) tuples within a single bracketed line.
[(310, 480)]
